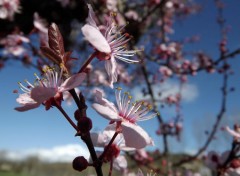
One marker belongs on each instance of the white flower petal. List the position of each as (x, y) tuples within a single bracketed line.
[(25, 99), (72, 82), (120, 163), (135, 136), (111, 68), (98, 139), (106, 112), (95, 37), (103, 101), (233, 133)]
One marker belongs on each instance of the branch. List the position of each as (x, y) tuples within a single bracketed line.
[(214, 130)]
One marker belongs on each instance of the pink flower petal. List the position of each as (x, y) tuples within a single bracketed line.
[(95, 37), (106, 112), (135, 136), (103, 101), (72, 82), (41, 94), (27, 107)]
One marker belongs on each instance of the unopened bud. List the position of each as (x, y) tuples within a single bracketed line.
[(77, 115), (84, 124), (80, 163)]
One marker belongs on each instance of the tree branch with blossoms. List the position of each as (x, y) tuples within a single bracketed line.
[(110, 62)]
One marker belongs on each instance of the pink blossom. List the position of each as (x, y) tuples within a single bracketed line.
[(53, 83), (50, 85), (111, 44), (165, 71), (127, 114), (13, 44), (102, 139), (8, 8), (214, 160)]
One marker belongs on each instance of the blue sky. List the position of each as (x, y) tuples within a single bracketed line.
[(40, 129)]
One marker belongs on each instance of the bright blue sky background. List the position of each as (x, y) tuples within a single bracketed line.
[(40, 129)]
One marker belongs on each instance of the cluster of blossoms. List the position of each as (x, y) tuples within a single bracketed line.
[(217, 162), (8, 8), (228, 162), (123, 133)]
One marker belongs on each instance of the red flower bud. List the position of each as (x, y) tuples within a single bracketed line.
[(84, 124), (77, 115), (80, 163)]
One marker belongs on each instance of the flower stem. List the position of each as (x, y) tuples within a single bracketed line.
[(108, 146), (87, 139), (88, 61), (67, 117), (111, 168)]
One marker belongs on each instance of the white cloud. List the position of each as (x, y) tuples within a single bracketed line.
[(189, 91), (65, 153)]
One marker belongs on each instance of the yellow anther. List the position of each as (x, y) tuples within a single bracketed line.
[(127, 93), (130, 97), (61, 65), (114, 14), (158, 114), (25, 80), (149, 107), (119, 88), (19, 82)]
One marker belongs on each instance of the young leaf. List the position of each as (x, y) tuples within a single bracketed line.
[(50, 54), (55, 40)]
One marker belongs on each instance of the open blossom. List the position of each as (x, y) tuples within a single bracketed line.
[(102, 139), (110, 43), (49, 86), (127, 114)]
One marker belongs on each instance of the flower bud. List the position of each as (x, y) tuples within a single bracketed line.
[(77, 115), (84, 124), (80, 163)]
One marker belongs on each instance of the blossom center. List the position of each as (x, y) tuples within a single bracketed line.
[(112, 152)]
